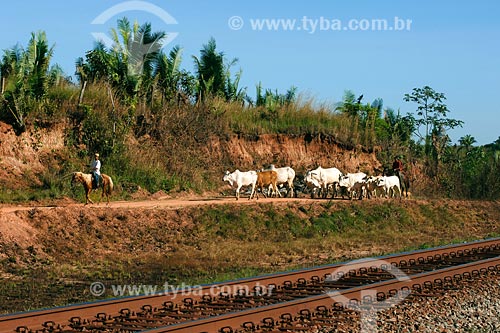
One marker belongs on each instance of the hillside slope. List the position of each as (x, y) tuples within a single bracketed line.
[(24, 157)]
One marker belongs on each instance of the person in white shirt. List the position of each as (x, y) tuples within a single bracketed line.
[(96, 171)]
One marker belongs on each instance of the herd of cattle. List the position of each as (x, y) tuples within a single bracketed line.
[(319, 182)]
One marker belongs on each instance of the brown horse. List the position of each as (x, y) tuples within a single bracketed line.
[(86, 180)]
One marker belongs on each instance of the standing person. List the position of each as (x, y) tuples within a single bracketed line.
[(96, 171)]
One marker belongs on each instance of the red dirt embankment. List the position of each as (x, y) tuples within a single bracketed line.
[(23, 157)]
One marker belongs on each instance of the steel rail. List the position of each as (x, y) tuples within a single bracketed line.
[(237, 319), (35, 319)]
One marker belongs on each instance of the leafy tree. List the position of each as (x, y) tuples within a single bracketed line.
[(129, 65), (233, 92), (399, 128), (350, 105), (167, 73), (96, 66), (432, 115), (25, 78), (210, 71), (431, 112), (467, 141), (132, 56), (214, 75)]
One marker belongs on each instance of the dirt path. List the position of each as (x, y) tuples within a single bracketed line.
[(163, 203)]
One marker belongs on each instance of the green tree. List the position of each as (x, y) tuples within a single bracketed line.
[(432, 114), (168, 74), (233, 92), (214, 75), (132, 58), (25, 79), (210, 71), (351, 106), (466, 142), (129, 65)]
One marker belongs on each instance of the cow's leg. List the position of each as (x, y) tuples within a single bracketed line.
[(270, 190), (261, 188), (290, 189), (237, 194), (252, 192)]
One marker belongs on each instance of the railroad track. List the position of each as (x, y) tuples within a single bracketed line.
[(274, 303)]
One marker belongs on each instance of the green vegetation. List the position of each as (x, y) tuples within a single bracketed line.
[(133, 97), (196, 245)]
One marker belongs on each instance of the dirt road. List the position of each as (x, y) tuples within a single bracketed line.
[(163, 203)]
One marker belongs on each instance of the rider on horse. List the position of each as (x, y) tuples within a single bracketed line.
[(96, 171), (397, 167)]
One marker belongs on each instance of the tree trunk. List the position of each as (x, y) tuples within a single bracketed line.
[(82, 91)]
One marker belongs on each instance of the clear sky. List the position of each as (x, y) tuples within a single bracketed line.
[(321, 47)]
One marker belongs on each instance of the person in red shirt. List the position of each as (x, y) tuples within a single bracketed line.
[(397, 165)]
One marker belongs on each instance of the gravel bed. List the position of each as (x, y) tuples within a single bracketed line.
[(469, 307), (472, 307)]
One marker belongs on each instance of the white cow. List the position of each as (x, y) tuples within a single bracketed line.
[(323, 178), (390, 183), (312, 184), (286, 175), (348, 181), (238, 178)]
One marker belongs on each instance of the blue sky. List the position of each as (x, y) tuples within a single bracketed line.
[(452, 46)]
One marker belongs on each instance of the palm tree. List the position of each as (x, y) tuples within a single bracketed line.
[(9, 64), (233, 92), (37, 63), (210, 71), (167, 73), (25, 78), (96, 66), (467, 141), (129, 65)]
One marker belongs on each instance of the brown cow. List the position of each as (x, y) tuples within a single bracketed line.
[(266, 179)]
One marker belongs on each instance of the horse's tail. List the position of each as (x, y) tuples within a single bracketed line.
[(110, 186)]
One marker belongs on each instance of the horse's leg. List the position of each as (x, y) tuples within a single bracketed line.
[(88, 196), (102, 193), (105, 190)]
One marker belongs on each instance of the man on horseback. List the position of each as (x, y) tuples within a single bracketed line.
[(397, 168), (96, 171)]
